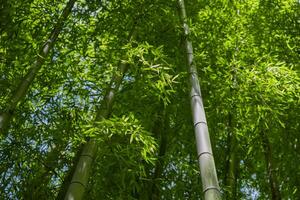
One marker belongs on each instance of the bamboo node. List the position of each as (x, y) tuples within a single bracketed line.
[(200, 123), (78, 182), (87, 155), (196, 95), (205, 152), (211, 188)]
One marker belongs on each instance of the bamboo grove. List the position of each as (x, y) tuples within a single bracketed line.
[(101, 99)]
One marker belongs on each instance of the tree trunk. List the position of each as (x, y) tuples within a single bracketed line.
[(270, 167), (162, 131), (35, 185), (231, 170), (80, 178), (232, 163), (209, 178), (29, 77), (68, 176)]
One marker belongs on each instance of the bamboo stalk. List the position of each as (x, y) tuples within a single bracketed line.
[(80, 178), (209, 179), (233, 146), (68, 177), (232, 164), (83, 167), (24, 85), (274, 186), (162, 129)]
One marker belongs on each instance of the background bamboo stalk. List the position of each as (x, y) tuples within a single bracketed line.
[(274, 186), (24, 85), (161, 130)]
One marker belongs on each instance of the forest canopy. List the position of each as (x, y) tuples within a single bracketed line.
[(101, 99)]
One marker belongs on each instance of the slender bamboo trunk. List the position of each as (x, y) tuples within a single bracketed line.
[(209, 178), (35, 186), (80, 178), (158, 168), (275, 191), (23, 87), (83, 167), (68, 178), (233, 173), (231, 170), (232, 162), (162, 132), (233, 146)]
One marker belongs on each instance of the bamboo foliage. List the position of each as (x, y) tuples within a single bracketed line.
[(247, 60), (209, 179), (24, 85)]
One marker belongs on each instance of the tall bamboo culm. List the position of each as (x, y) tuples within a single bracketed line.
[(81, 174), (24, 85), (76, 188), (209, 178)]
